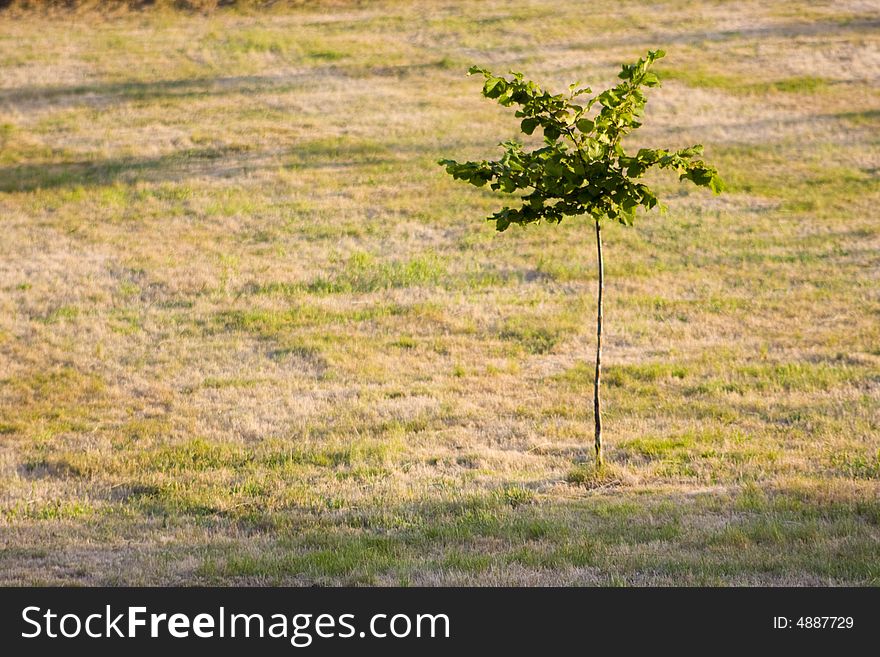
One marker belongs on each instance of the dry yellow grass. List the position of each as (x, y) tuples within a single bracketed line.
[(250, 333)]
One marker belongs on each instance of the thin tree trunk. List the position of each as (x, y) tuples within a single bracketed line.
[(597, 409)]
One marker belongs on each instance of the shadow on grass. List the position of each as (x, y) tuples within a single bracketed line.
[(217, 161), (784, 536), (822, 533), (105, 93), (102, 93), (223, 161), (784, 31)]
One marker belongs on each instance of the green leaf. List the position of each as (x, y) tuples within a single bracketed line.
[(551, 132), (651, 80), (585, 125), (528, 125), (494, 87), (594, 149), (693, 151), (609, 98)]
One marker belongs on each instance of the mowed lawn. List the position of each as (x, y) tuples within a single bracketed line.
[(251, 333)]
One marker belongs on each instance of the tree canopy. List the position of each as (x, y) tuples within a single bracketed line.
[(582, 167)]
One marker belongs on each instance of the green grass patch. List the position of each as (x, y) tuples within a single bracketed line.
[(789, 377), (855, 465), (582, 375), (364, 273), (697, 77)]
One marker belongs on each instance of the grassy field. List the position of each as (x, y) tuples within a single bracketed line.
[(251, 333)]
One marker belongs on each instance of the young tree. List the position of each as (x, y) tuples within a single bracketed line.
[(582, 168)]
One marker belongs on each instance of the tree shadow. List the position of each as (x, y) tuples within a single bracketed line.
[(105, 93), (221, 162), (331, 153), (809, 121), (785, 30)]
